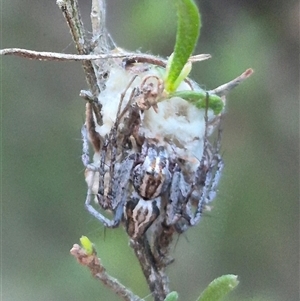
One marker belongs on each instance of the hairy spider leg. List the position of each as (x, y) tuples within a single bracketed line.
[(116, 195), (215, 170), (218, 165), (112, 137), (92, 173), (85, 157), (179, 212), (212, 176), (211, 173), (178, 197), (90, 197)]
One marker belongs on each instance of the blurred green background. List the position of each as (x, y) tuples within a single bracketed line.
[(253, 230)]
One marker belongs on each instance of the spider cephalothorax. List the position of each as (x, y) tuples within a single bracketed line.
[(151, 177)]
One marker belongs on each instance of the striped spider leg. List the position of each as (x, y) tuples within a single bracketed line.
[(209, 175), (108, 175), (187, 200), (211, 165), (203, 189)]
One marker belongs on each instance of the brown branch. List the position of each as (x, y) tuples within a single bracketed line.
[(62, 57), (130, 57), (72, 15), (93, 263), (155, 275), (226, 88)]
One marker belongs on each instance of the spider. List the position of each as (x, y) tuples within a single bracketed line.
[(125, 181), (139, 180)]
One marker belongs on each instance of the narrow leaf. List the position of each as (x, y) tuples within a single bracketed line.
[(187, 35)]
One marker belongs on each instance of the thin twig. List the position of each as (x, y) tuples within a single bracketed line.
[(156, 277), (98, 14), (131, 57), (226, 88), (55, 56), (99, 272), (72, 15)]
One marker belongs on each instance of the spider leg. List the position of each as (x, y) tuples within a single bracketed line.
[(178, 197), (120, 187), (85, 157), (104, 181), (100, 217), (103, 200), (218, 166), (209, 189), (92, 175), (202, 174), (210, 172), (113, 135), (107, 178), (163, 238), (119, 199), (201, 191)]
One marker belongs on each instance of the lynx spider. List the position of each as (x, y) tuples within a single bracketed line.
[(141, 207), (142, 180)]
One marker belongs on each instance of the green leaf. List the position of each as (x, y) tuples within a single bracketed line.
[(87, 245), (218, 288), (173, 296), (188, 29), (198, 99)]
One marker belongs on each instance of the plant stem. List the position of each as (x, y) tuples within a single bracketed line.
[(72, 15), (98, 271)]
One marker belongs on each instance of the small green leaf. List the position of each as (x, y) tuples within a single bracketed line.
[(173, 296), (198, 99), (87, 245), (218, 288), (188, 29)]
